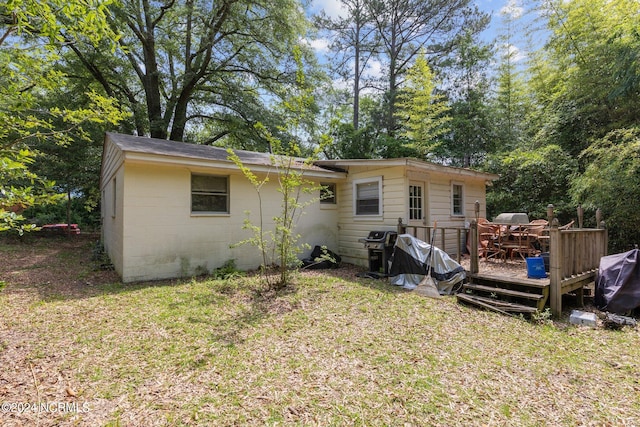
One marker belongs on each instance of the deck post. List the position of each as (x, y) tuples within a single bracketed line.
[(402, 229), (580, 212), (555, 269), (459, 237), (473, 235)]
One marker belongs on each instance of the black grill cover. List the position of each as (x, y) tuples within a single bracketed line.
[(618, 282)]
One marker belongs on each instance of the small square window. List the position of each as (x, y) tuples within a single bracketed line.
[(209, 193), (328, 194)]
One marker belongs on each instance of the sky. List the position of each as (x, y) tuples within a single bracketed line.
[(494, 7)]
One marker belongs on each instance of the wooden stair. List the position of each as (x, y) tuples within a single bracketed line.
[(506, 295)]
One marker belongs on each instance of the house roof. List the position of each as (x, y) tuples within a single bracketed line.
[(406, 161), (166, 151), (138, 148)]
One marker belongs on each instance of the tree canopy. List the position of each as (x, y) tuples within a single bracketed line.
[(29, 34), (410, 78)]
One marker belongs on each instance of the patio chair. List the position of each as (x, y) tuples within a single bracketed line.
[(529, 239), (488, 240)]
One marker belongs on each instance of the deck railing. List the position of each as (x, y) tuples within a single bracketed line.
[(574, 258), (452, 240)]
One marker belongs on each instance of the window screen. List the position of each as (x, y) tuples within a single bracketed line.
[(209, 193), (368, 198)]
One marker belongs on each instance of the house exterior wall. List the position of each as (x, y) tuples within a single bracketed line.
[(395, 183), (353, 227), (163, 239), (111, 188)]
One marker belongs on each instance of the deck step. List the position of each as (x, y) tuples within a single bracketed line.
[(503, 291), (533, 283), (510, 309), (496, 304)]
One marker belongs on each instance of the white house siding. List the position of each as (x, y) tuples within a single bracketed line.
[(163, 239), (111, 187), (395, 205), (440, 187), (351, 227)]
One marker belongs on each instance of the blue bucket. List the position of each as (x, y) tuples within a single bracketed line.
[(535, 268)]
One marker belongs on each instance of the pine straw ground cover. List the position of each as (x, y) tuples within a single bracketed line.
[(333, 350)]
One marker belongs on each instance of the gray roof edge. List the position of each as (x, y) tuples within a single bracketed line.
[(164, 147), (408, 161)]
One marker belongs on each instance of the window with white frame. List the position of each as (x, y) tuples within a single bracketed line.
[(457, 199), (367, 196), (415, 202), (209, 194)]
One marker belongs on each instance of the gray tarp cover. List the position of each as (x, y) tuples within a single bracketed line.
[(618, 282), (409, 265)]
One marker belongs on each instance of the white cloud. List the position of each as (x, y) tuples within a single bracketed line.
[(333, 8), (514, 52), (373, 69), (513, 9), (320, 45)]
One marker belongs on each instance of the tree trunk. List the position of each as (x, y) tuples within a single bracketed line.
[(68, 213)]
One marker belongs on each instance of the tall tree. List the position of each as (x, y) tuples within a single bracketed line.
[(471, 135), (354, 45), (512, 104), (197, 63), (422, 112), (407, 26)]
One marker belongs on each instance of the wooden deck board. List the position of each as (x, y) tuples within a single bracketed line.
[(500, 305), (503, 291), (536, 283)]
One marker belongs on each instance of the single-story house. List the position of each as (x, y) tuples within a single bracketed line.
[(173, 209)]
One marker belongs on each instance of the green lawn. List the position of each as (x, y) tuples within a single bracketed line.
[(331, 351)]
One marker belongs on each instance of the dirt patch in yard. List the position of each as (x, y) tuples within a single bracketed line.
[(53, 265)]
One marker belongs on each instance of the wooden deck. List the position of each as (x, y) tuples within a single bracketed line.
[(574, 258), (505, 294)]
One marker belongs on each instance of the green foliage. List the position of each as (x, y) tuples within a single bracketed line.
[(421, 112), (227, 271), (530, 180), (198, 69), (29, 74), (86, 216), (279, 245), (471, 132), (611, 182), (544, 317), (588, 80)]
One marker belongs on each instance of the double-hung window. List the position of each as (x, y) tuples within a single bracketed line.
[(209, 193), (457, 199), (368, 197)]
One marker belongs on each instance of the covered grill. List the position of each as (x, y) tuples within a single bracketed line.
[(380, 246)]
